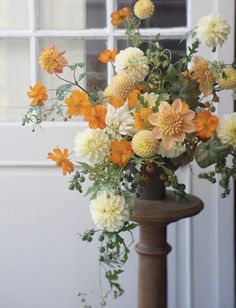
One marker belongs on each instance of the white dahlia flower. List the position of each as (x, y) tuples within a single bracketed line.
[(119, 121), (212, 30), (109, 211), (226, 130), (133, 63), (92, 145), (177, 150)]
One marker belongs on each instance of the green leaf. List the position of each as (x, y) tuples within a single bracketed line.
[(89, 75), (75, 65), (62, 91), (211, 152)]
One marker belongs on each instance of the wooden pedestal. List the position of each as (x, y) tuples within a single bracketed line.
[(153, 218)]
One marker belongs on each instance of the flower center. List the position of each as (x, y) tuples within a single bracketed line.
[(170, 123)]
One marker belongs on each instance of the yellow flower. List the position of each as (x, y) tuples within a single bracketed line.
[(171, 123), (121, 86), (228, 81), (78, 103), (52, 60), (226, 130), (144, 9), (38, 94), (141, 119), (144, 144), (203, 75)]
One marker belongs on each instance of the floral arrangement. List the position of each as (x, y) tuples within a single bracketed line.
[(154, 112)]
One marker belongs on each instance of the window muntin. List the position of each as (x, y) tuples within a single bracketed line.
[(84, 33)]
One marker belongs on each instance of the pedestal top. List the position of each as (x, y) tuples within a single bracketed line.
[(167, 210)]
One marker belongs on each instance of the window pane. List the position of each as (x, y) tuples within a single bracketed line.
[(175, 46), (168, 13), (72, 14), (15, 72), (10, 19), (77, 50)]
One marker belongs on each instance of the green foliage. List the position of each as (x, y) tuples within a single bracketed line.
[(132, 32), (62, 91), (211, 152), (226, 173)]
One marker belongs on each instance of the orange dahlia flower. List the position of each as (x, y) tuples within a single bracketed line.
[(206, 124), (62, 161), (203, 75), (107, 55), (38, 94), (172, 122), (96, 116), (52, 60), (121, 16), (78, 103), (121, 152), (141, 119)]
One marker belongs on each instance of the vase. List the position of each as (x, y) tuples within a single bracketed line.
[(153, 211)]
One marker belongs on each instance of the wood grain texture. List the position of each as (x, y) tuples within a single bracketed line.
[(153, 218)]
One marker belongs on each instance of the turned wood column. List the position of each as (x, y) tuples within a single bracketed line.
[(153, 217)]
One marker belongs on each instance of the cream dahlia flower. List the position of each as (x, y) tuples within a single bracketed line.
[(171, 123), (109, 211), (92, 145), (144, 144), (119, 121), (132, 63), (150, 99), (226, 130), (212, 30), (177, 149), (144, 9)]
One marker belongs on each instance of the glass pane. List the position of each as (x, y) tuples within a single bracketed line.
[(175, 46), (15, 81), (77, 50), (168, 13), (72, 14), (10, 19)]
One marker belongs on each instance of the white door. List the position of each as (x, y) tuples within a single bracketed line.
[(42, 261)]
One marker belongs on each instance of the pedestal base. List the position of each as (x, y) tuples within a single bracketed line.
[(153, 218)]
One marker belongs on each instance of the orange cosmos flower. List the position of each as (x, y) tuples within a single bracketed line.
[(96, 116), (78, 103), (121, 152), (107, 55), (117, 102), (52, 60), (141, 119), (133, 99), (203, 75), (172, 122), (38, 94), (206, 124), (121, 16), (62, 161)]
